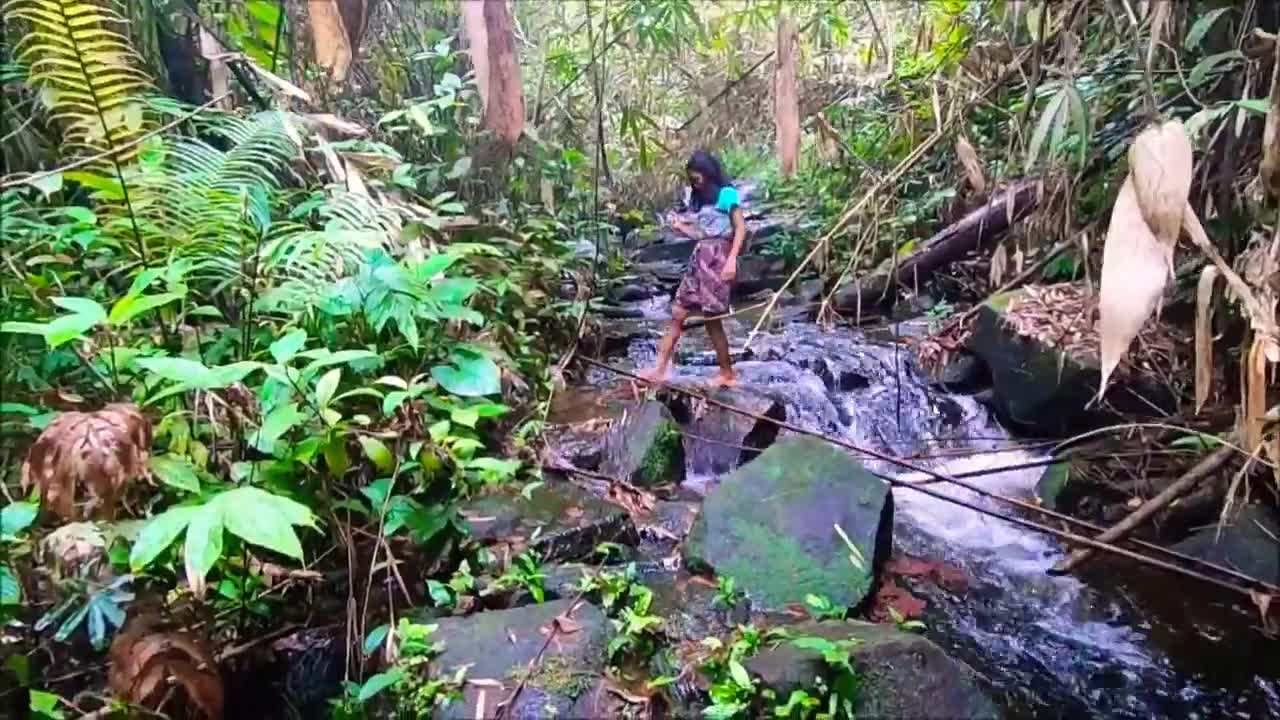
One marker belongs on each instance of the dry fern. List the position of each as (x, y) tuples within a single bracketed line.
[(88, 74), (146, 662), (100, 451)]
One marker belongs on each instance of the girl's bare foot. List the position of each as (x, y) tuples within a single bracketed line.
[(653, 376), (725, 379)]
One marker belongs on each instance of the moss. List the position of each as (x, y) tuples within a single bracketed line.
[(1000, 301), (759, 547), (554, 675), (662, 453)]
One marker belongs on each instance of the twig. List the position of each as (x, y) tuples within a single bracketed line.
[(1182, 486), (246, 646), (118, 149)]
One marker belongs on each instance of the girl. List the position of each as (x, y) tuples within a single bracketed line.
[(719, 228)]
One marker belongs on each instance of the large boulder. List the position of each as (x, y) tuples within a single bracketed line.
[(903, 675), (1249, 542), (719, 440), (506, 647), (772, 526), (1043, 390), (646, 449), (558, 520)]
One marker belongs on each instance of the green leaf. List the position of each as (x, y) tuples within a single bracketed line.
[(740, 674), (82, 306), (189, 373), (286, 347), (131, 306), (460, 168), (435, 265), (327, 386), (48, 184), (378, 453), (1258, 106), (204, 543), (277, 422), (466, 417), (175, 471), (378, 683), (10, 588), (158, 534), (1201, 27), (1202, 69), (1049, 119), (471, 375), (376, 636), (254, 515), (16, 517)]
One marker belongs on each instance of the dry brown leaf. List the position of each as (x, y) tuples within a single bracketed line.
[(567, 625), (219, 73), (329, 36), (829, 144), (1204, 335), (1253, 389), (1135, 267), (972, 167), (75, 548), (1161, 12), (1160, 166), (100, 451), (1269, 169), (145, 662), (999, 265), (337, 124), (786, 100)]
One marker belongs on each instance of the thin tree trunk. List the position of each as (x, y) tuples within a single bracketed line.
[(787, 110)]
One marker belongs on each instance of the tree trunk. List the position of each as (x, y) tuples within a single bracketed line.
[(330, 40), (504, 108), (973, 231), (473, 28), (787, 109)]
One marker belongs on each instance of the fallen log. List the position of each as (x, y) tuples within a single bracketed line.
[(1183, 485), (971, 232)]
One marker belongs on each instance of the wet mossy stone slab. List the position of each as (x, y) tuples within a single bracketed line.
[(646, 448), (1247, 543), (560, 521), (771, 525), (903, 675), (1043, 391), (1053, 483), (499, 646), (720, 440)]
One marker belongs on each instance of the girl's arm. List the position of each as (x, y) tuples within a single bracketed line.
[(739, 232)]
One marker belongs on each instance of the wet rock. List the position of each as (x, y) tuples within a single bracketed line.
[(759, 272), (903, 675), (603, 699), (719, 440), (1248, 543), (569, 521), (689, 607), (647, 448), (771, 525), (678, 251), (963, 372), (1044, 391), (500, 645), (618, 312), (676, 516)]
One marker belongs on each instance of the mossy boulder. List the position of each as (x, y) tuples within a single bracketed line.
[(1042, 390), (720, 440), (558, 520), (903, 675), (647, 448), (500, 645), (772, 526), (1248, 542)]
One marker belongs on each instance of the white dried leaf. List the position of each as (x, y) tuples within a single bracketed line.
[(1204, 335), (1160, 166), (1135, 268)]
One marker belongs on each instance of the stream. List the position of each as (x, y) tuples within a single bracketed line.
[(1118, 641)]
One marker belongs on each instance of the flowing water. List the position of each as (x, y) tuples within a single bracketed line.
[(1120, 642)]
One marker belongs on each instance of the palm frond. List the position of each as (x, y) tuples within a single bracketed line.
[(89, 76)]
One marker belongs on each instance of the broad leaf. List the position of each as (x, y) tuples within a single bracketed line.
[(277, 422), (327, 386), (286, 347), (378, 453), (175, 471), (1201, 27), (203, 547), (255, 516), (16, 517), (158, 534), (471, 375), (131, 306), (378, 683)]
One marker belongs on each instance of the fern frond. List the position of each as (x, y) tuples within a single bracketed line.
[(89, 76)]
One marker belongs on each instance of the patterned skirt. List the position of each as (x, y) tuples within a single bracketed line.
[(701, 288)]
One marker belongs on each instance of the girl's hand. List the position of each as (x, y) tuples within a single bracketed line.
[(684, 227), (730, 270)]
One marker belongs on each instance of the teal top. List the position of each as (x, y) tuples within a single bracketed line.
[(715, 221)]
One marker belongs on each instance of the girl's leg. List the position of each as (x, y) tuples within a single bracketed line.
[(727, 377), (667, 346)]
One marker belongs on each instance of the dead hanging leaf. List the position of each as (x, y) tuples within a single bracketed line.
[(101, 451), (999, 264), (1253, 388), (1269, 170), (75, 548), (146, 662), (1160, 15), (337, 124), (829, 144), (972, 167), (1160, 166), (1135, 267), (1204, 335), (567, 625)]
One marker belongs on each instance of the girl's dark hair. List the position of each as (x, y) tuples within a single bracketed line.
[(708, 166)]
